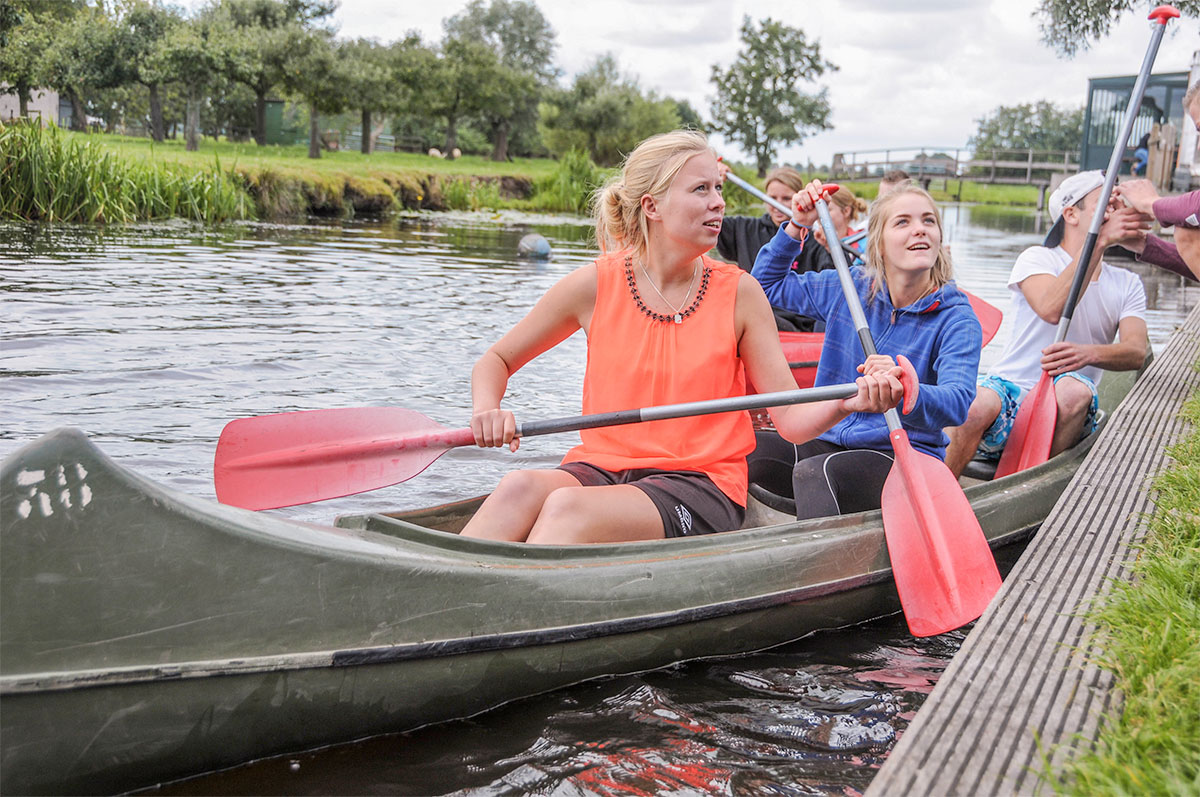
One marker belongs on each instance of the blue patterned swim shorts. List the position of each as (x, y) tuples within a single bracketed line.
[(992, 444)]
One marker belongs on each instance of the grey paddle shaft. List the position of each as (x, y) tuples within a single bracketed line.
[(665, 411), (851, 293), (782, 208), (745, 186), (1110, 179)]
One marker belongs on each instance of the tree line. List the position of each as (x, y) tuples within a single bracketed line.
[(490, 82)]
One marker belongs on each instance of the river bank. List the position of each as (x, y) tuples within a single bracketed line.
[(1148, 629), (281, 182)]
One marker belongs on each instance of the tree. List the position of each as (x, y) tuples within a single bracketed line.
[(757, 103), (25, 41), (81, 57), (604, 114), (1070, 26), (142, 27), (416, 79), (689, 117), (314, 71), (523, 43), (458, 83), (369, 85), (192, 55), (262, 32), (1040, 126)]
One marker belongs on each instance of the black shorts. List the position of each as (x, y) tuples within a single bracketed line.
[(688, 502)]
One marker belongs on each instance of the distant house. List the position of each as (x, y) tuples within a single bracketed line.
[(44, 104), (938, 164)]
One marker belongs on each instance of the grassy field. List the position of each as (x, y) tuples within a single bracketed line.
[(283, 182), (1149, 629), (247, 154)]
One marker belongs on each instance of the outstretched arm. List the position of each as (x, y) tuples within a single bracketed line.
[(562, 310)]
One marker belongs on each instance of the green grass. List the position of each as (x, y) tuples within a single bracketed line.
[(283, 182), (295, 157), (1149, 631), (47, 174), (949, 191)]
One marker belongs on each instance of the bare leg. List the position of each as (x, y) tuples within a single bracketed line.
[(614, 513), (1073, 398), (964, 440), (511, 510)]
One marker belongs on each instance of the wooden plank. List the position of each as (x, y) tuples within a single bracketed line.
[(1024, 683)]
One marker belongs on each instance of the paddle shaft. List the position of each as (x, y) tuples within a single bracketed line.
[(1110, 176), (331, 451), (666, 411), (856, 311)]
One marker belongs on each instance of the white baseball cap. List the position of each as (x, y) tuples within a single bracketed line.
[(1068, 193)]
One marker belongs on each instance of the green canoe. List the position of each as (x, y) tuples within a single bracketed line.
[(147, 635)]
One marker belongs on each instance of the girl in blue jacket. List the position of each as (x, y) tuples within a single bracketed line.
[(913, 308)]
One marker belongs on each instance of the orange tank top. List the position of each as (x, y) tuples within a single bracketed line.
[(634, 361)]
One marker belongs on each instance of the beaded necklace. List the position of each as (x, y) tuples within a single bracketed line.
[(679, 315)]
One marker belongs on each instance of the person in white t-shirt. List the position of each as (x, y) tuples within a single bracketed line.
[(1112, 305)]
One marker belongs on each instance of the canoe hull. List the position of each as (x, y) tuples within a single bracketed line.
[(147, 635)]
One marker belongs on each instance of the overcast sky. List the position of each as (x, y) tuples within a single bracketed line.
[(911, 72)]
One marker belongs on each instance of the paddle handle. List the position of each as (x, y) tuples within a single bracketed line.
[(667, 411), (1162, 15)]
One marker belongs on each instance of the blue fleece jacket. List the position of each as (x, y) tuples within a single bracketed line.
[(939, 333)]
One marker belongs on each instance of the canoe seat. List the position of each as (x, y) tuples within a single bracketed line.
[(982, 469), (772, 500)]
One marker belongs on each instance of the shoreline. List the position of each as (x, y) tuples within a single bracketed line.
[(279, 183)]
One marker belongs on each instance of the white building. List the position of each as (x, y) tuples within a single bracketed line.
[(43, 103)]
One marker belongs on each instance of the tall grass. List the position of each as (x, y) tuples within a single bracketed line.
[(466, 193), (569, 187), (1149, 628), (48, 176)]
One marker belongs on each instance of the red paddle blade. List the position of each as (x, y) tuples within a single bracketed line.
[(299, 457), (944, 570), (989, 317), (1033, 430)]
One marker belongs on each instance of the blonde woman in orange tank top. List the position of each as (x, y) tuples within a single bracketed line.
[(665, 324)]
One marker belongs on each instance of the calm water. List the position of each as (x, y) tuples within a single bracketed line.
[(152, 338)]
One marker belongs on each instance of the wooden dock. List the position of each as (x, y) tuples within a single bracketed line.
[(1024, 690)]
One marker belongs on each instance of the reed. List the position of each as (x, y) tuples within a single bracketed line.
[(568, 188), (48, 176), (467, 193), (1149, 631)]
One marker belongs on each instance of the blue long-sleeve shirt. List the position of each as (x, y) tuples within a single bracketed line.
[(938, 333)]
